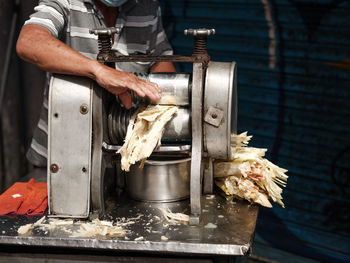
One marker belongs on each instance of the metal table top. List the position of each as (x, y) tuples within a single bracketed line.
[(227, 228)]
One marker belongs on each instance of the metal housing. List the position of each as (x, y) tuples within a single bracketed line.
[(69, 146), (220, 110)]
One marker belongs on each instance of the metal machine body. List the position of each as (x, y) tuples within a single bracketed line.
[(87, 126)]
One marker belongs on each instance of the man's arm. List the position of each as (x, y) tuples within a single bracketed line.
[(36, 45), (163, 67)]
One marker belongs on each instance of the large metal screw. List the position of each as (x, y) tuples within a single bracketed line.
[(54, 168), (104, 41), (200, 39)]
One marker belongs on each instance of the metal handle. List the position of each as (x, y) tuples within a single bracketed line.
[(105, 31), (199, 32)]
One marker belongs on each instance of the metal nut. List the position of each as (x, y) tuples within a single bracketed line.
[(84, 109), (214, 116), (54, 168)]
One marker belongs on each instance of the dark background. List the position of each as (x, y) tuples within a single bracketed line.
[(293, 83)]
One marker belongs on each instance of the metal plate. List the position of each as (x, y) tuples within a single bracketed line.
[(220, 108), (69, 146), (226, 228)]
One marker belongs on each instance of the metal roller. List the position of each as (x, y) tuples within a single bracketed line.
[(175, 88), (178, 129), (118, 120)]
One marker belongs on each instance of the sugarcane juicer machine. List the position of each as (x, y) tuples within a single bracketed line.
[(87, 125)]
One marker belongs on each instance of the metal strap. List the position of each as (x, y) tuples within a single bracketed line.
[(197, 143)]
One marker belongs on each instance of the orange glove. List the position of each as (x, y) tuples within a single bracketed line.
[(37, 193), (24, 198)]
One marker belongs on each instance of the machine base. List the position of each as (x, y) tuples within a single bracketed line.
[(226, 228)]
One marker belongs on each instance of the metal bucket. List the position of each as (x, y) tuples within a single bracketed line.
[(160, 180)]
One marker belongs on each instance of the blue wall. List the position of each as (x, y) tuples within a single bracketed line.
[(294, 90)]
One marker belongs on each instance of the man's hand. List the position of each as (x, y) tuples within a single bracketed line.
[(118, 82)]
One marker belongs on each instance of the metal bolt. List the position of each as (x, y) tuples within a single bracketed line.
[(84, 109), (54, 168)]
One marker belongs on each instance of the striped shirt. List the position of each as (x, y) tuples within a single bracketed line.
[(70, 20)]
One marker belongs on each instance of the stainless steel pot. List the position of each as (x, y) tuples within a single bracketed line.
[(160, 180)]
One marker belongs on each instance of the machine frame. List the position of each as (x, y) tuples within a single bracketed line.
[(213, 89)]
